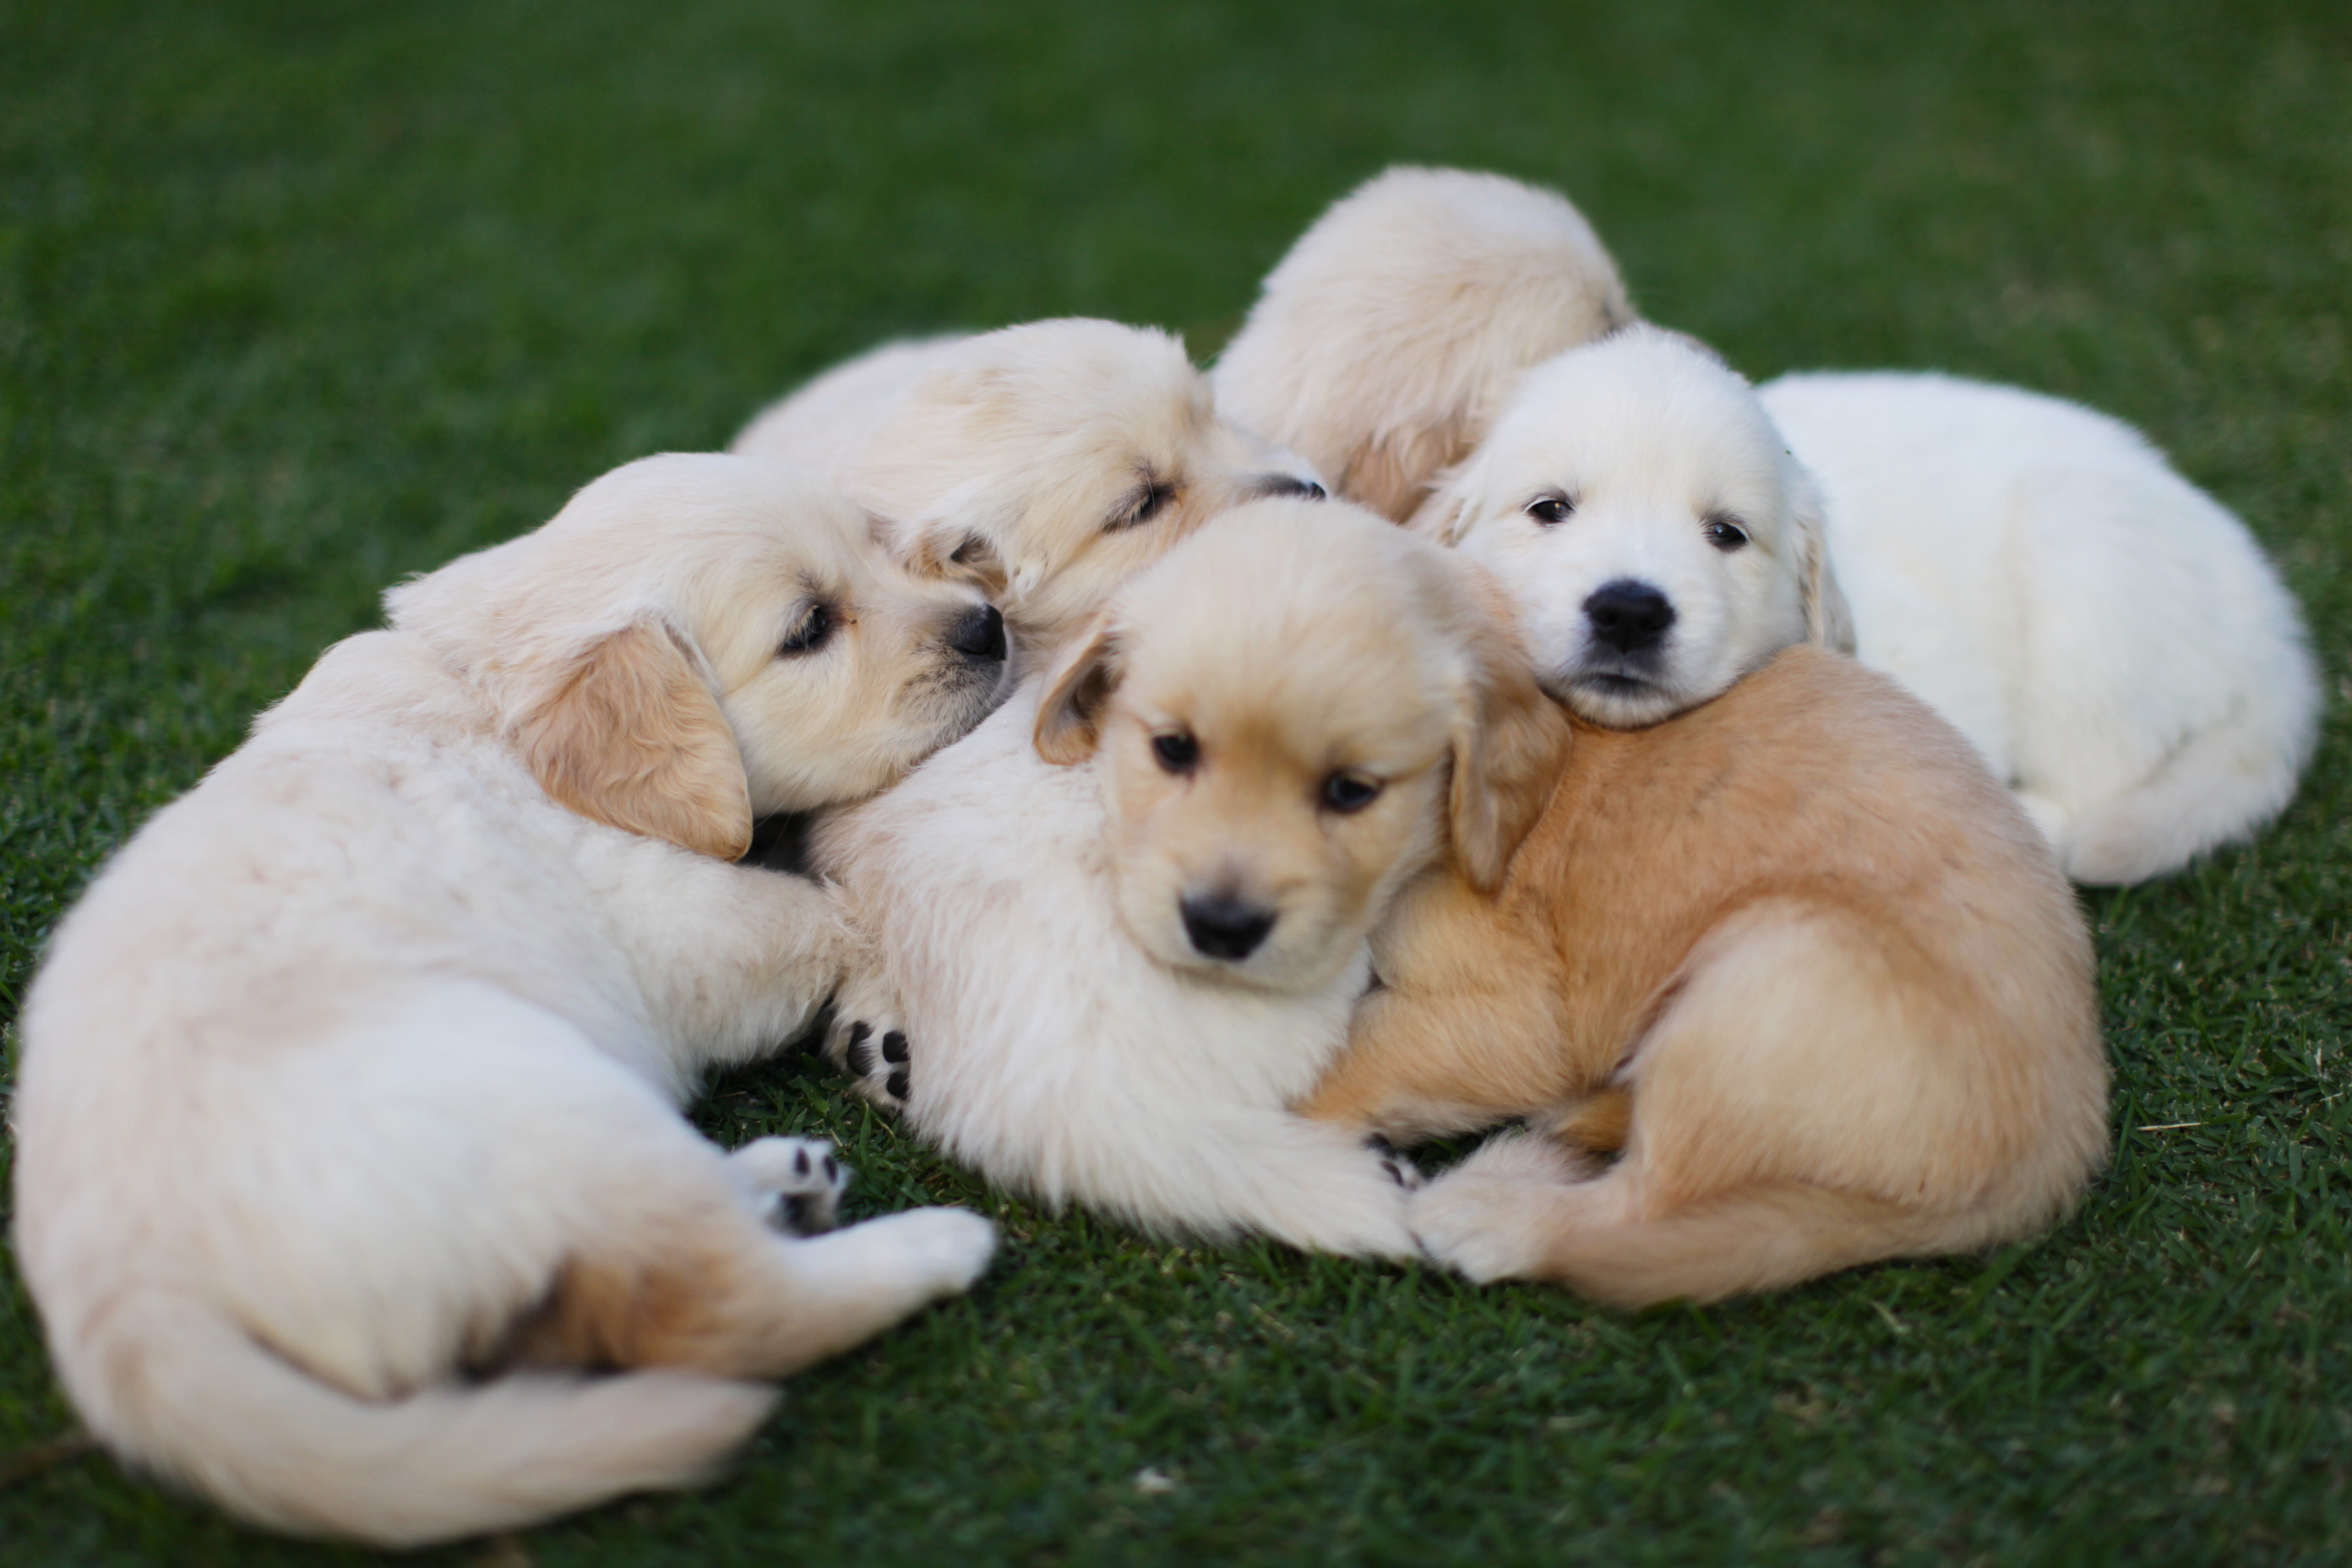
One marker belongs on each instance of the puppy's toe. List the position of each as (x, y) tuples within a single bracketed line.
[(874, 1054), (1491, 1216), (1396, 1163), (795, 1183)]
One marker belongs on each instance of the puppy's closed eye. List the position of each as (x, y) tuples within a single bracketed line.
[(811, 632), (1142, 504)]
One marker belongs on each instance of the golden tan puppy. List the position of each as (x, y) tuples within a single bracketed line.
[(1795, 949), (1385, 341), (1044, 463), (350, 1179), (1124, 922)]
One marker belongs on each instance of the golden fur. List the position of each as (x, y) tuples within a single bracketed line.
[(1798, 952)]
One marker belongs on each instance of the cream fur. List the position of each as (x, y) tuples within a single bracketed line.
[(1384, 343), (1044, 463), (1069, 1037), (2110, 638), (348, 1143)]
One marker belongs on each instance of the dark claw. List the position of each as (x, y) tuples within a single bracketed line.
[(894, 1048), (861, 1055), (898, 1084), (832, 1171), (857, 1032)]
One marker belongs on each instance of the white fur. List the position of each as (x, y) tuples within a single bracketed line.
[(2109, 635), (355, 1048)]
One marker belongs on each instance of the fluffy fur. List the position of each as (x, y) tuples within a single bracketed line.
[(1043, 463), (1123, 923), (2110, 638), (1797, 954), (1663, 541), (349, 1163), (1383, 345)]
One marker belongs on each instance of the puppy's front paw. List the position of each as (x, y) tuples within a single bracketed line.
[(1490, 1217), (876, 1056), (795, 1183), (945, 1249)]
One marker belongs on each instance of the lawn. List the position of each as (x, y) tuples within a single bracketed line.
[(297, 299)]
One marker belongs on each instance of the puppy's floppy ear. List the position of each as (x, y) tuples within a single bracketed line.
[(629, 736), (1510, 741), (1083, 676), (1829, 619)]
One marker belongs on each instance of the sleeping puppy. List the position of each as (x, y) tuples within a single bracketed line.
[(1383, 344), (1043, 463), (2109, 635), (2109, 638), (350, 1179), (1124, 922), (1795, 953), (1666, 541)]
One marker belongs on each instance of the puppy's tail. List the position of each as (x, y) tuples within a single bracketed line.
[(181, 1390), (1761, 1237)]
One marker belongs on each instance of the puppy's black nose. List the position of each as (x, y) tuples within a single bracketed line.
[(979, 634), (1222, 926), (1628, 615)]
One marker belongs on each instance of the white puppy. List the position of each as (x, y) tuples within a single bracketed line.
[(1383, 344), (1646, 513), (349, 1163), (1122, 953), (2110, 638), (1044, 463)]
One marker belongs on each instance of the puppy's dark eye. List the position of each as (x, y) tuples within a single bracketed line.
[(1350, 793), (1551, 509), (814, 630), (1143, 504), (1176, 751), (1725, 532)]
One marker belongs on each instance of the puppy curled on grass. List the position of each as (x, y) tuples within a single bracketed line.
[(349, 1180), (2109, 638), (1123, 923), (1792, 957), (1385, 341), (1043, 463)]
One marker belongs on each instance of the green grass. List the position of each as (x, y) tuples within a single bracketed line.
[(297, 299)]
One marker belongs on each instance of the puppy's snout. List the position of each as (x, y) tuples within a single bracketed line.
[(1290, 485), (1629, 616), (979, 634), (1223, 926)]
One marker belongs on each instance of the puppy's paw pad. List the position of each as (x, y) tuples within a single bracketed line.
[(874, 1054), (795, 1182), (1396, 1164)]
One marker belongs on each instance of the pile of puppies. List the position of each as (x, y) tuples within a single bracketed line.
[(1217, 838)]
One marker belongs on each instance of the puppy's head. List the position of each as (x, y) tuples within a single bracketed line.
[(1657, 536), (1295, 711), (697, 640), (1045, 463), (1383, 345)]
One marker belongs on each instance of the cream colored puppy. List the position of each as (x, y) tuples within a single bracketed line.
[(1664, 541), (349, 1180), (2109, 636), (1044, 463), (1386, 341), (1124, 922)]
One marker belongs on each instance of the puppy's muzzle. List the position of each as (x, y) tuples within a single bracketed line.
[(1223, 926), (1628, 615), (979, 635)]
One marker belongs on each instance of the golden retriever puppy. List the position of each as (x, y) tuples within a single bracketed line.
[(1124, 922), (349, 1180), (1796, 954), (1044, 463), (1384, 343), (1665, 541)]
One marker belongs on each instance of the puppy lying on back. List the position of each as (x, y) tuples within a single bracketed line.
[(1124, 922), (1044, 463), (1795, 953), (1384, 343), (2110, 640), (349, 1180)]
